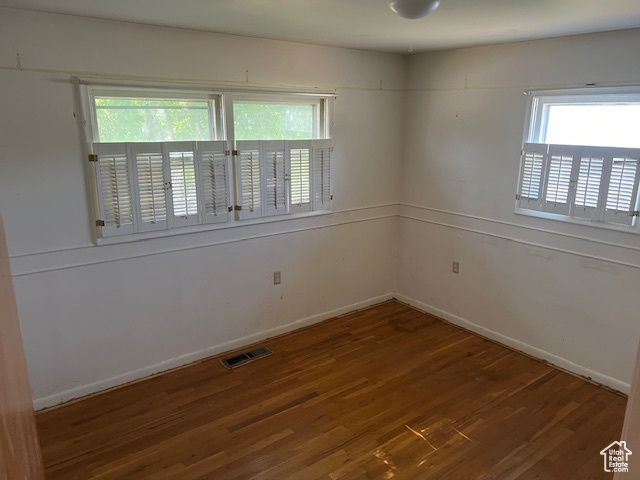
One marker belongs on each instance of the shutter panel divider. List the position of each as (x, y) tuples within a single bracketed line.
[(275, 189), (199, 183), (533, 166), (322, 174), (561, 178), (135, 199), (249, 175), (182, 197), (590, 163), (213, 181), (622, 187), (167, 185), (150, 177), (114, 193), (263, 176), (299, 171), (604, 186)]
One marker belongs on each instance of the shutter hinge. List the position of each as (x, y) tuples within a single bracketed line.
[(331, 197), (93, 157), (634, 213), (518, 197), (99, 223), (231, 152), (237, 208)]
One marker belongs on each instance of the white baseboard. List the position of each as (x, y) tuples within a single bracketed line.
[(119, 380), (563, 363)]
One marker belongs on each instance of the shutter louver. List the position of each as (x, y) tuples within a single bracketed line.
[(114, 189), (276, 195), (585, 182), (213, 167), (249, 178), (623, 187), (299, 166), (560, 175), (533, 162), (151, 186), (590, 173), (184, 195), (322, 174)]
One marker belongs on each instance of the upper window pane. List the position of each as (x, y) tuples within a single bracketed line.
[(132, 119), (604, 125), (274, 121)]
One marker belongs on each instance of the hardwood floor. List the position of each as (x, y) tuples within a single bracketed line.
[(386, 392)]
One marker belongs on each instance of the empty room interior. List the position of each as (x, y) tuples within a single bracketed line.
[(338, 239)]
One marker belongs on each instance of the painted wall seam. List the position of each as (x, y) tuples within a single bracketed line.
[(193, 81), (21, 273), (522, 242), (542, 230)]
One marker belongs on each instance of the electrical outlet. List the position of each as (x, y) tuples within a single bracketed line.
[(456, 267), (277, 278)]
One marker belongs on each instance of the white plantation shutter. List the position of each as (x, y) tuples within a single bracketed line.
[(212, 158), (249, 177), (586, 182), (623, 186), (145, 184), (561, 179), (113, 181), (184, 195), (273, 152), (322, 174), (533, 163), (276, 177), (299, 172), (591, 164), (151, 186)]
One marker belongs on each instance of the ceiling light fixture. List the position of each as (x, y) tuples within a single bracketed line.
[(413, 9)]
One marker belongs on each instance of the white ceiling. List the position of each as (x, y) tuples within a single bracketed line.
[(364, 24)]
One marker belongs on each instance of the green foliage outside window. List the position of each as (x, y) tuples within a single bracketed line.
[(271, 121), (149, 120), (153, 120)]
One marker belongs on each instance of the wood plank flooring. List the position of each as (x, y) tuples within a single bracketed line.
[(384, 393)]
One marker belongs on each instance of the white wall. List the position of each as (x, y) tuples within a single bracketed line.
[(563, 292), (93, 317)]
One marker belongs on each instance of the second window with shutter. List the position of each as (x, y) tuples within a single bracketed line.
[(163, 159)]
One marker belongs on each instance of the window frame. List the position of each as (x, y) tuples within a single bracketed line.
[(321, 124), (220, 103), (534, 132), (214, 100)]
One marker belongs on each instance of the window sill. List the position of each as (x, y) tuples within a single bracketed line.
[(577, 221), (137, 237)]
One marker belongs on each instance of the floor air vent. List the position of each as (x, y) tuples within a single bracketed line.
[(246, 357)]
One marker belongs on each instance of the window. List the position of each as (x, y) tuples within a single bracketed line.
[(278, 119), (580, 158), (163, 159), (121, 119)]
